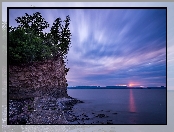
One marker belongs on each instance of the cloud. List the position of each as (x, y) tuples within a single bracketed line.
[(80, 25), (114, 46)]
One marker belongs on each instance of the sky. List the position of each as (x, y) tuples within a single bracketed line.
[(112, 46), (71, 74)]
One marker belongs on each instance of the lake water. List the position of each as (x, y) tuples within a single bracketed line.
[(119, 106)]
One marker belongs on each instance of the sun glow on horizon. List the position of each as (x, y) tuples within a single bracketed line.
[(130, 85), (133, 84)]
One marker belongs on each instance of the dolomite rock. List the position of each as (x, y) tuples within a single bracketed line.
[(47, 76)]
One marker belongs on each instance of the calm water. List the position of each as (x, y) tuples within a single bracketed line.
[(120, 106)]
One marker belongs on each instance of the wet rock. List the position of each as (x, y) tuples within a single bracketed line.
[(18, 111), (109, 122), (101, 115)]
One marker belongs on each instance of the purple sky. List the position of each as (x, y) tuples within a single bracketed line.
[(113, 46)]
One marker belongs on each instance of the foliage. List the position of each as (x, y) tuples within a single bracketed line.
[(28, 42)]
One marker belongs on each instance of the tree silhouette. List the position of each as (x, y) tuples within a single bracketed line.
[(28, 42)]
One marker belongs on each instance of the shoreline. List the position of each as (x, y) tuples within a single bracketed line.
[(42, 110)]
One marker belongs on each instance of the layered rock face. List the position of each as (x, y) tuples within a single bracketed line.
[(37, 79)]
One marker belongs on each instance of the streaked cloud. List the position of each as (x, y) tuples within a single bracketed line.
[(111, 47)]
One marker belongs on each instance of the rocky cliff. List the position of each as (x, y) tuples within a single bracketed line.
[(38, 79), (38, 94)]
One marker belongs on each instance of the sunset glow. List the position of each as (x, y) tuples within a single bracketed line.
[(130, 85), (134, 84)]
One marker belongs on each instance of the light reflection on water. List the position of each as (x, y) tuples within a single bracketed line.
[(132, 107)]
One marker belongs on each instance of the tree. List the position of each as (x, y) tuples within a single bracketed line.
[(28, 42), (61, 37)]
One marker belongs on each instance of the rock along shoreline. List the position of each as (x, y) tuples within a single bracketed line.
[(41, 110)]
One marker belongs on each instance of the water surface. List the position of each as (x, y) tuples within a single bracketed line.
[(120, 106)]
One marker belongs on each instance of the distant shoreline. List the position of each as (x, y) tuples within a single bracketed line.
[(116, 88)]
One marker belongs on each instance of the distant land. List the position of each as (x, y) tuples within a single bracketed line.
[(114, 87)]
